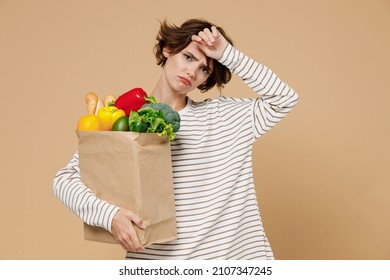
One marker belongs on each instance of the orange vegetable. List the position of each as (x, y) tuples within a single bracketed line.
[(88, 122)]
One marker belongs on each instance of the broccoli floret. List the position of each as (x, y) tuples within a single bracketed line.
[(147, 105), (170, 116)]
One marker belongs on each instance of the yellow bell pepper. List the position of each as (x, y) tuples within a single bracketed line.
[(107, 115)]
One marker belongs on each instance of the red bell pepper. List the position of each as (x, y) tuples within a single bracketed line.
[(132, 100)]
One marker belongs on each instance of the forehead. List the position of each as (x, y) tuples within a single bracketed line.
[(194, 49)]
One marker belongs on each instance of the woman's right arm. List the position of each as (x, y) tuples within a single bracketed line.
[(82, 201)]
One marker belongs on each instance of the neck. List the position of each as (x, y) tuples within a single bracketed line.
[(163, 94)]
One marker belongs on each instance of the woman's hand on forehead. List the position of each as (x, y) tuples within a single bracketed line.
[(211, 42)]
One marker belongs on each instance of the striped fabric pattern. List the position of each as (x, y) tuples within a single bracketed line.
[(216, 205), (71, 191)]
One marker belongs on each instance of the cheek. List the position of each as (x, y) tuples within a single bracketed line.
[(199, 82), (169, 68), (173, 64), (203, 78)]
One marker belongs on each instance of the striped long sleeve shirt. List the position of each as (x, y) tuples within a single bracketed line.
[(217, 212)]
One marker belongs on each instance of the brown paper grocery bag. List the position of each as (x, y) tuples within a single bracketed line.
[(132, 171)]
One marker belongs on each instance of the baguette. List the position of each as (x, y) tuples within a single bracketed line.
[(109, 100), (94, 103), (99, 105)]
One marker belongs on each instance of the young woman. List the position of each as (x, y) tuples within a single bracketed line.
[(216, 205)]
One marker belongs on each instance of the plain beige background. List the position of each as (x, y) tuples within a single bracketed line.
[(322, 174)]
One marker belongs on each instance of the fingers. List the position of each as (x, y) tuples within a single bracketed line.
[(199, 40), (137, 220), (207, 36), (215, 31), (129, 241), (124, 231), (211, 42)]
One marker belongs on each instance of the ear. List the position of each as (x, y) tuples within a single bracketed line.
[(166, 52)]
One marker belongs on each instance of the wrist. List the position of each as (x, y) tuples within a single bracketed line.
[(225, 53)]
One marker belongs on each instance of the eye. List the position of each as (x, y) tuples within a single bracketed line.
[(187, 57), (206, 70)]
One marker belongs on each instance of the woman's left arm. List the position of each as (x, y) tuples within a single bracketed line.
[(276, 98)]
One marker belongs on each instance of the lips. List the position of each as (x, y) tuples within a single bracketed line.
[(185, 81)]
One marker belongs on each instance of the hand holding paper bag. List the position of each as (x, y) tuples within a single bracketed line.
[(132, 171), (124, 231)]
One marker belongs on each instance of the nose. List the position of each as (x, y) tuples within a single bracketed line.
[(190, 71)]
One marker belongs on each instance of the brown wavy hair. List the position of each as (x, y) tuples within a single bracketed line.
[(176, 38)]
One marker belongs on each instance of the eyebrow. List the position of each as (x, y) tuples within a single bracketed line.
[(193, 56), (197, 59)]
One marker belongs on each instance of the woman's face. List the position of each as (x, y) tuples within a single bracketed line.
[(187, 69)]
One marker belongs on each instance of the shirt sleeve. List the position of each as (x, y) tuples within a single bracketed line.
[(80, 199), (276, 98)]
